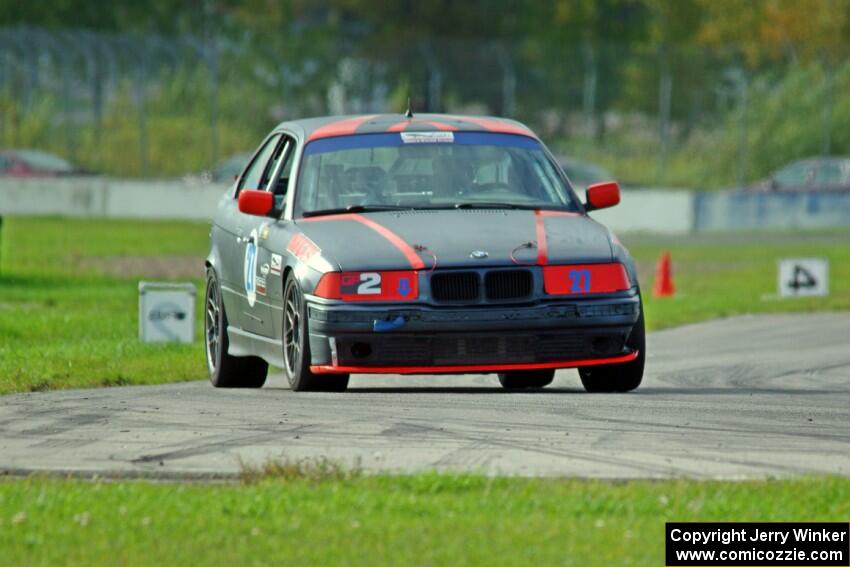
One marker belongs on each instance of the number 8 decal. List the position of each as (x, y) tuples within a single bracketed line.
[(579, 281)]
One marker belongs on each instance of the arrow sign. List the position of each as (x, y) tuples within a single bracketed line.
[(404, 287)]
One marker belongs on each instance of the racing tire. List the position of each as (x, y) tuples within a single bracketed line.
[(525, 379), (296, 346), (623, 377), (226, 371)]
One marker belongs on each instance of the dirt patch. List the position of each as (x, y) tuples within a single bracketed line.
[(150, 267)]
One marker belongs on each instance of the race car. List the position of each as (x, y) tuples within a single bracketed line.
[(427, 244)]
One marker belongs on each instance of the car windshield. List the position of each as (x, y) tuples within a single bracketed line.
[(429, 170)]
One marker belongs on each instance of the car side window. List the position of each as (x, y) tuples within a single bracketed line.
[(253, 177), (282, 182), (829, 174), (794, 175)]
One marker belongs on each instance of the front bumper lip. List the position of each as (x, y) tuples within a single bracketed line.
[(353, 318), (470, 368), (423, 339)]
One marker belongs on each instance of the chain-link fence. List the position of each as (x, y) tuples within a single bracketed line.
[(151, 105)]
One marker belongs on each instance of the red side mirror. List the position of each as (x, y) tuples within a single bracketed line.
[(259, 203), (603, 195)]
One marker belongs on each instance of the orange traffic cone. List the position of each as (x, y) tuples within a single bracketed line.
[(663, 277)]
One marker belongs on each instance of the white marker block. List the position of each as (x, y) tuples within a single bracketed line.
[(803, 277)]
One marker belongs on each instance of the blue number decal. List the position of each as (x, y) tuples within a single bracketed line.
[(579, 281)]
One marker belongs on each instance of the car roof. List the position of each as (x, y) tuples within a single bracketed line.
[(40, 160), (329, 126)]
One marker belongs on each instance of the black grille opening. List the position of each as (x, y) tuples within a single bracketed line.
[(455, 286), (508, 284), (476, 348)]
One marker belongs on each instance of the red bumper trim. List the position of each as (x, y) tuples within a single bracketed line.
[(329, 369)]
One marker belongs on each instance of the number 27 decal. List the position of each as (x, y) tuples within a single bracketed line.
[(579, 281)]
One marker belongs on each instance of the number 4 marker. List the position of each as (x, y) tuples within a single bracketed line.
[(803, 277)]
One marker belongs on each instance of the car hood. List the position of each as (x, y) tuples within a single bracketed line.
[(393, 240)]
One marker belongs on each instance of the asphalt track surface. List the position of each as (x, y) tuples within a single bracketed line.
[(743, 397)]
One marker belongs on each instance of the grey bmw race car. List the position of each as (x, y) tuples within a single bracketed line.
[(416, 245)]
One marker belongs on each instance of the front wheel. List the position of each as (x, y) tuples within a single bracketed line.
[(296, 346), (226, 371), (623, 377)]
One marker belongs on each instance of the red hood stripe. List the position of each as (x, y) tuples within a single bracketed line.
[(415, 261), (340, 128), (542, 246)]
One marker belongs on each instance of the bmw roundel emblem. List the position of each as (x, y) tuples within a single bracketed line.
[(478, 254)]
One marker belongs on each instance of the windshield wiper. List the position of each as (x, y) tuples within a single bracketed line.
[(488, 205), (354, 209)]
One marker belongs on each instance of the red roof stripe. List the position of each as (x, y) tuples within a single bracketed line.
[(498, 126), (341, 127), (399, 126), (442, 125)]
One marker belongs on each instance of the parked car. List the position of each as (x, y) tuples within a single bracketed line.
[(582, 174), (34, 163), (812, 174), (433, 244)]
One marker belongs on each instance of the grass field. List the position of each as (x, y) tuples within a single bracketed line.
[(426, 519), (69, 302), (68, 293)]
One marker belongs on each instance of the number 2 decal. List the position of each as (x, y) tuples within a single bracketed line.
[(370, 284), (579, 281)]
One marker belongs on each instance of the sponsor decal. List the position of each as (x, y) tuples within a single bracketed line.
[(264, 269), (264, 231), (277, 264), (249, 269), (302, 247), (261, 285), (443, 137)]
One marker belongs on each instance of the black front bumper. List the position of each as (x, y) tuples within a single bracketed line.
[(544, 333)]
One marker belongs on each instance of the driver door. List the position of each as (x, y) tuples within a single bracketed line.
[(254, 313)]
